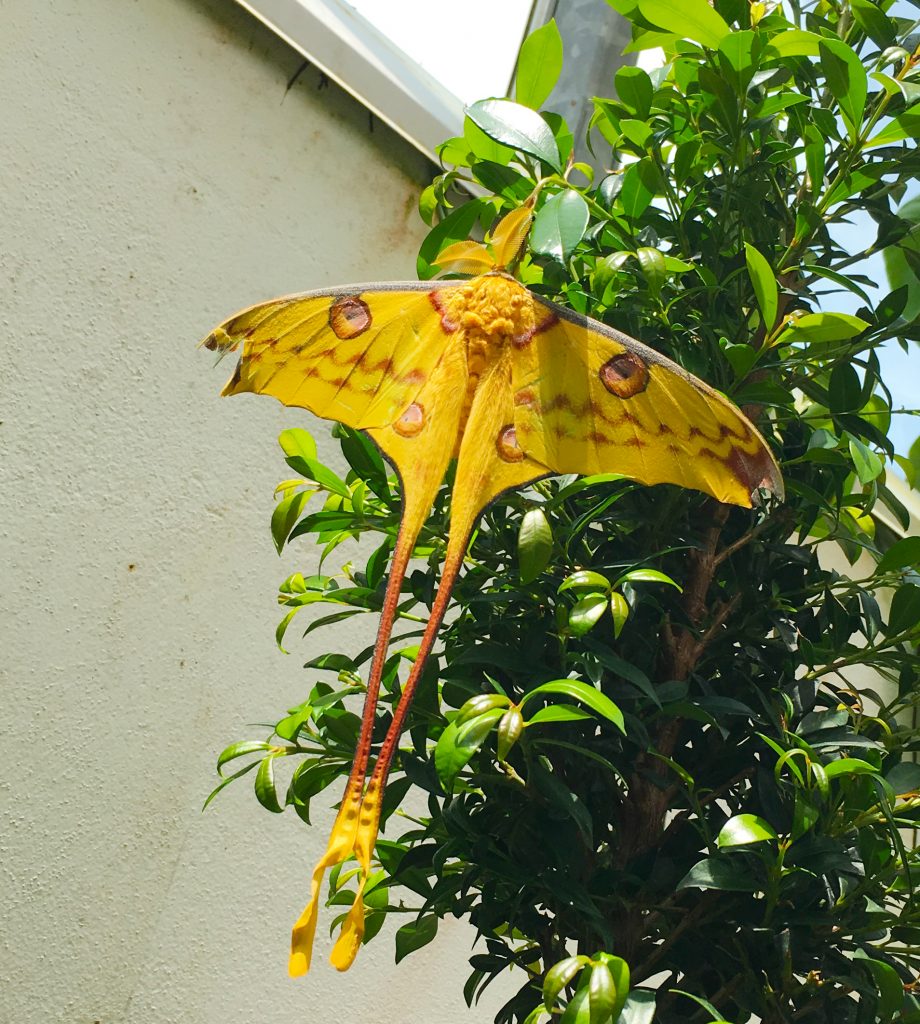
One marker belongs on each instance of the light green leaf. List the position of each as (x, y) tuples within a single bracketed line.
[(559, 225), (602, 995), (516, 126), (584, 694), (535, 544), (296, 441), (794, 43), (653, 268), (265, 786), (619, 608), (586, 613), (584, 579), (458, 743), (764, 282), (558, 713), (539, 65), (239, 749), (558, 976), (285, 516), (849, 766), (510, 727), (867, 464), (905, 126), (743, 829), (821, 327), (648, 576), (484, 147), (689, 19)]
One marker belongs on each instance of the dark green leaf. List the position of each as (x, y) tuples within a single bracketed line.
[(905, 609), (724, 873), (902, 554), (846, 78), (634, 90), (414, 935)]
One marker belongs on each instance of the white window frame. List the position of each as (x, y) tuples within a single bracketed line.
[(364, 62)]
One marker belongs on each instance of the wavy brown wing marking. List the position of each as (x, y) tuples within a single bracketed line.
[(591, 400), (358, 356)]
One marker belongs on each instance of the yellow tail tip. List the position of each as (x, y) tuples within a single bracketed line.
[(298, 964)]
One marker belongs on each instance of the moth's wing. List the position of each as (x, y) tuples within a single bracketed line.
[(358, 354), (591, 400)]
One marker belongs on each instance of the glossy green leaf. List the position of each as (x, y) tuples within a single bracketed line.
[(558, 976), (559, 225), (743, 829), (516, 126), (689, 19), (510, 727), (822, 327), (535, 544), (584, 579), (648, 576), (539, 66), (619, 608), (558, 713), (239, 750), (265, 786), (602, 995), (584, 694), (653, 268), (458, 743), (586, 613), (285, 516), (764, 282)]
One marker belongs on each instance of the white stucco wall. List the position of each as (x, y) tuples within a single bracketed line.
[(154, 177)]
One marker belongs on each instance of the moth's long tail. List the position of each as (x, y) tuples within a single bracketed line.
[(349, 940), (344, 838)]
